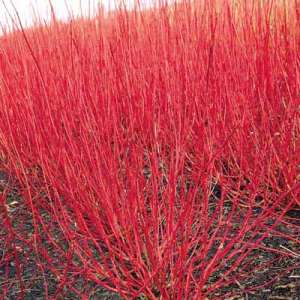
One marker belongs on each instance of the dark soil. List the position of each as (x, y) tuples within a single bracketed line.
[(24, 274)]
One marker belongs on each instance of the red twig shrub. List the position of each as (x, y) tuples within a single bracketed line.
[(163, 144)]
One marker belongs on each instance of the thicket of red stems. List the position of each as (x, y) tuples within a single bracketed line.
[(163, 143)]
